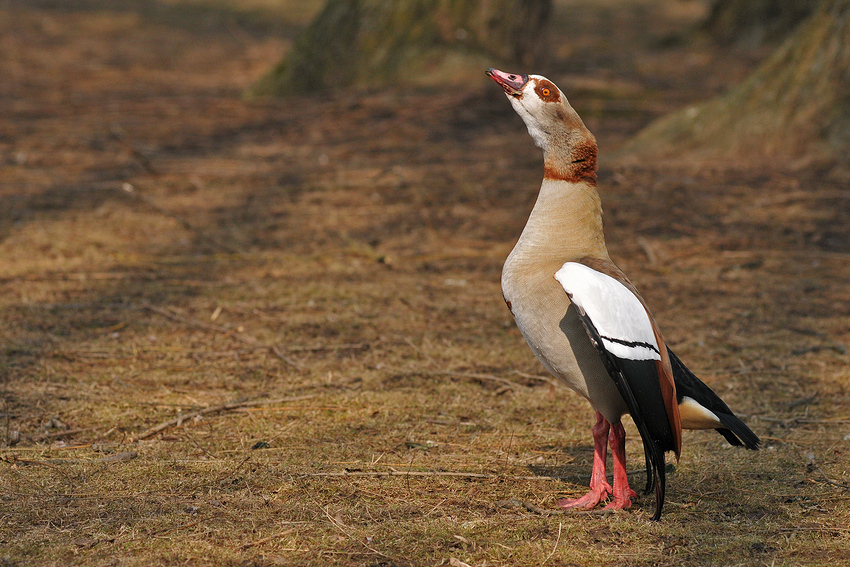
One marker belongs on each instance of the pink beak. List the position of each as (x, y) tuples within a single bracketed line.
[(512, 84)]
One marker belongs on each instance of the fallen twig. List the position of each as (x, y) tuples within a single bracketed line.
[(339, 526), (517, 503), (184, 319), (813, 465), (118, 457), (815, 529), (14, 459), (433, 473), (295, 408), (60, 434), (649, 250), (801, 402), (792, 196), (214, 409), (704, 495), (554, 549), (478, 376), (420, 351), (224, 330), (268, 539), (539, 378), (316, 348), (840, 349), (402, 473), (273, 348), (796, 420), (239, 466), (52, 463), (276, 351), (163, 532)]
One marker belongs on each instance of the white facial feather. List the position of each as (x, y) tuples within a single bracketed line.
[(530, 109), (618, 315)]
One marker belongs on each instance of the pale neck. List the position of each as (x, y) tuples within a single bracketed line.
[(565, 224)]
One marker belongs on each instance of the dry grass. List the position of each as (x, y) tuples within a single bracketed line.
[(329, 269)]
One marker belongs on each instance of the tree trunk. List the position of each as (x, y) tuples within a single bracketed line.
[(756, 21), (373, 43), (795, 106)]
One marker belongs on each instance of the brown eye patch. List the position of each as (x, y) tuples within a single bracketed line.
[(547, 91)]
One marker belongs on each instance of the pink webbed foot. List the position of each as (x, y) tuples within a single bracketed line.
[(622, 493), (599, 487), (621, 501), (597, 494)]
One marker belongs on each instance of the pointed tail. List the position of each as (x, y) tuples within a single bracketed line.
[(692, 390)]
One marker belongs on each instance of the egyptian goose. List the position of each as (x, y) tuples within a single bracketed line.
[(583, 318)]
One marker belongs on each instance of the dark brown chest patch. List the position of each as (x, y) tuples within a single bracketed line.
[(580, 164)]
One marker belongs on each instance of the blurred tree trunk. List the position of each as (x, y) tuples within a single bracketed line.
[(408, 42), (756, 21), (794, 108)]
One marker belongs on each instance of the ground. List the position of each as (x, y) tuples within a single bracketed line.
[(270, 332)]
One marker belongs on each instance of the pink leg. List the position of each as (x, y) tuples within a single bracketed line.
[(599, 487), (622, 493)]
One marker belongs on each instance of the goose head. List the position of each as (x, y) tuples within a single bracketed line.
[(569, 149)]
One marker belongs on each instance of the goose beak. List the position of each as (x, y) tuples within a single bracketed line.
[(511, 84)]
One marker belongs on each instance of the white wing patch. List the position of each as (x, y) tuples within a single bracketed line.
[(618, 315)]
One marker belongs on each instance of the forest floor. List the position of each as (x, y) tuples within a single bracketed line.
[(271, 332)]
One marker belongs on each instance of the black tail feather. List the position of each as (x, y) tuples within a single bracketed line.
[(737, 429), (660, 488), (730, 437), (650, 478), (688, 385)]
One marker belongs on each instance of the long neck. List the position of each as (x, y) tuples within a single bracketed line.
[(565, 225)]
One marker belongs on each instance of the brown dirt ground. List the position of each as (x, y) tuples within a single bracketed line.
[(329, 265)]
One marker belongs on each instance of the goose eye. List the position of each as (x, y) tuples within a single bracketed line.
[(547, 91)]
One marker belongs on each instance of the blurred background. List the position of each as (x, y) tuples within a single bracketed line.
[(230, 223)]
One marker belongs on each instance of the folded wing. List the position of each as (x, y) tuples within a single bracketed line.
[(636, 358)]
